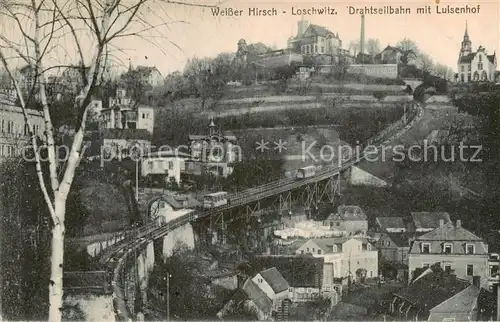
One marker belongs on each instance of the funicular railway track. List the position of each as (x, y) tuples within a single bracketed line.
[(115, 256)]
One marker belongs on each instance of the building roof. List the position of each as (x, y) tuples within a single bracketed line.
[(467, 299), (432, 289), (180, 201), (126, 134), (399, 239), (214, 137), (455, 235), (348, 213), (275, 279), (428, 220), (450, 231), (326, 244), (319, 30), (256, 295), (297, 270), (168, 154), (390, 222)]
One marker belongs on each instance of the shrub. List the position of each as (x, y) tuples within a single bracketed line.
[(380, 95)]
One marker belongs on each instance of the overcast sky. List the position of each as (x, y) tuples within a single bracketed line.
[(201, 34)]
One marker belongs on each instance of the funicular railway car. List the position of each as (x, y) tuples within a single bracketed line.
[(215, 199), (306, 172)]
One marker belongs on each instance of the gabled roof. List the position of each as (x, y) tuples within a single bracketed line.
[(298, 271), (392, 48), (432, 289), (256, 295), (467, 299), (326, 244), (450, 232), (348, 213), (390, 222), (318, 30), (275, 280), (426, 219), (399, 239)]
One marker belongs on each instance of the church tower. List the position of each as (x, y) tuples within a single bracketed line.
[(466, 48)]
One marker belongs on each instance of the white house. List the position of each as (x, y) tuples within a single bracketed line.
[(166, 163), (168, 207), (344, 257), (475, 66), (273, 284)]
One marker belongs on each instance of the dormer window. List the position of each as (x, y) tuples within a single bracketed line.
[(469, 249), (447, 248), (480, 58), (426, 248)]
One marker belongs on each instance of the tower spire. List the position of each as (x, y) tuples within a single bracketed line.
[(466, 34)]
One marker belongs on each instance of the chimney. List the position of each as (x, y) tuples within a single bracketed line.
[(476, 280), (441, 222), (459, 223)]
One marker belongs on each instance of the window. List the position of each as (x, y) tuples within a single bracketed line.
[(469, 77), (315, 48), (426, 248), (388, 243), (302, 252), (470, 270), (260, 280), (447, 268), (462, 68), (143, 115), (319, 251), (371, 274), (470, 249), (162, 205), (337, 224), (290, 290), (313, 250), (308, 249), (9, 128), (447, 248), (26, 129), (170, 165), (404, 255), (480, 66), (480, 58), (469, 68), (425, 266)]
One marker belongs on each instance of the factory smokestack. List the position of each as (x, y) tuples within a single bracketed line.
[(362, 39)]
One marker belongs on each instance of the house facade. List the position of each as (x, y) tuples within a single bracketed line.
[(393, 248), (168, 207), (215, 152), (123, 143), (343, 257), (168, 165), (123, 113), (475, 66), (454, 248), (314, 40), (150, 75), (390, 55), (274, 285), (350, 219), (14, 133)]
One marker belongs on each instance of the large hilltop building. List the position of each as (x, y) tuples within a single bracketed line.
[(314, 40), (475, 66)]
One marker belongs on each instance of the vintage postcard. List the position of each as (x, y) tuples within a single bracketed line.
[(271, 160)]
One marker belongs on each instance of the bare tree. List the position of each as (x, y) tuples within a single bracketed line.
[(373, 47), (425, 63), (354, 47), (440, 71), (42, 26), (406, 44)]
